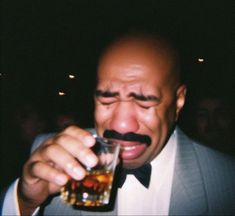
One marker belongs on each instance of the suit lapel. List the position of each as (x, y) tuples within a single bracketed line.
[(188, 193)]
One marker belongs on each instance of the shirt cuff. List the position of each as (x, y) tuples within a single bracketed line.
[(10, 203)]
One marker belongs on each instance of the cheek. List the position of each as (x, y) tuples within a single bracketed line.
[(156, 117), (149, 118), (201, 124), (100, 116), (169, 113), (155, 124), (223, 122)]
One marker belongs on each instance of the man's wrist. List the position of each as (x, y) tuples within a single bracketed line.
[(26, 206)]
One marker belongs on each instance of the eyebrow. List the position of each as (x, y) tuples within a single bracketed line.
[(106, 93), (141, 97)]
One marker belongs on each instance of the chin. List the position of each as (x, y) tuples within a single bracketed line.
[(132, 164)]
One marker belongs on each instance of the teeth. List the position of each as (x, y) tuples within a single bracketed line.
[(128, 148)]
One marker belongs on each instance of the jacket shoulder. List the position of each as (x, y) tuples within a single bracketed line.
[(42, 137)]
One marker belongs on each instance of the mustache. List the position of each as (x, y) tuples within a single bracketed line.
[(112, 134)]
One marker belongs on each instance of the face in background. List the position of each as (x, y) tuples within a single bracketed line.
[(64, 120), (213, 122), (138, 91)]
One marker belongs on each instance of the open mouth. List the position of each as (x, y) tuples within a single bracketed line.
[(128, 148), (132, 144), (129, 152)]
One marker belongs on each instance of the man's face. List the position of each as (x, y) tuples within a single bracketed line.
[(212, 121), (136, 94)]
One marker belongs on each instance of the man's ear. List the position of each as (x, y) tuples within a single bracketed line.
[(180, 99)]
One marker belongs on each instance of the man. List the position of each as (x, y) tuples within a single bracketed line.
[(213, 122), (138, 100)]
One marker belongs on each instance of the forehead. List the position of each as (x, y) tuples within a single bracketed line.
[(137, 60)]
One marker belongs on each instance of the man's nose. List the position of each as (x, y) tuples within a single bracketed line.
[(124, 118)]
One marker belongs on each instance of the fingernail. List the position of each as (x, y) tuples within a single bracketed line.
[(88, 141), (91, 160), (75, 172), (61, 179), (79, 173)]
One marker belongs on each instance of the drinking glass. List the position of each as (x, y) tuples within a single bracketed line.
[(95, 188)]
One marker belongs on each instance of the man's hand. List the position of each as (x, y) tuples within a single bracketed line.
[(52, 164)]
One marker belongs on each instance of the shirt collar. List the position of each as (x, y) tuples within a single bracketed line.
[(167, 152)]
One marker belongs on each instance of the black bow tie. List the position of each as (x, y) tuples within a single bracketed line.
[(142, 173)]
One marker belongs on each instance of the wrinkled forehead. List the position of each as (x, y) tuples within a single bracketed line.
[(135, 55)]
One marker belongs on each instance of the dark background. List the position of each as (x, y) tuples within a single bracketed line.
[(45, 41)]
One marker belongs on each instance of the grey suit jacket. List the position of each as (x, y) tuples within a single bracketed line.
[(203, 184)]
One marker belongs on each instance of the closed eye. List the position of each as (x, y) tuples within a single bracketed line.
[(106, 101), (146, 104), (105, 97), (146, 98)]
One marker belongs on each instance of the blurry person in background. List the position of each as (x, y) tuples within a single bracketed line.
[(30, 122), (27, 121), (63, 120), (213, 122)]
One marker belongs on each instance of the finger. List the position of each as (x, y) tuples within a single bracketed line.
[(82, 135), (62, 159), (84, 154), (43, 171)]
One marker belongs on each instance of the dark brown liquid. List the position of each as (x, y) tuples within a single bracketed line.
[(93, 190)]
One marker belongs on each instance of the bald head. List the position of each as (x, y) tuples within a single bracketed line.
[(154, 49)]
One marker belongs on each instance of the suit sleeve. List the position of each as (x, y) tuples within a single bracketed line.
[(9, 202)]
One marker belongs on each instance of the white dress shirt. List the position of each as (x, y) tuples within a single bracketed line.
[(135, 199), (10, 204)]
